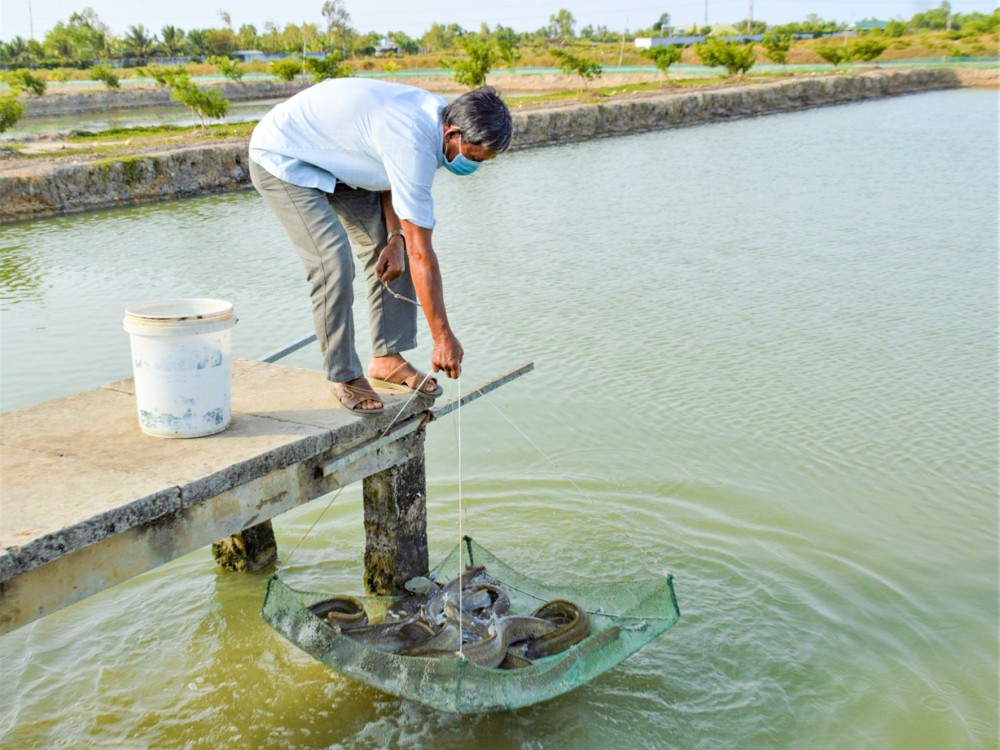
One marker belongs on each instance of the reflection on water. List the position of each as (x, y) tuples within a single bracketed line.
[(765, 359), (20, 276)]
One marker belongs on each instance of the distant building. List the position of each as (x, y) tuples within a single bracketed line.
[(248, 55), (386, 46), (870, 25), (647, 42)]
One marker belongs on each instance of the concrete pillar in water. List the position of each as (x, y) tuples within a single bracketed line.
[(396, 523), (252, 549)]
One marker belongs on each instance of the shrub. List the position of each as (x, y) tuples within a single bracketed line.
[(569, 63), (866, 50), (331, 67), (833, 55), (23, 79), (472, 71), (736, 58), (777, 47), (286, 69), (204, 103), (228, 67), (895, 29), (664, 57), (105, 74), (163, 74), (11, 110)]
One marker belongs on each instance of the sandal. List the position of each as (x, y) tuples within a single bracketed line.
[(351, 396), (410, 382)]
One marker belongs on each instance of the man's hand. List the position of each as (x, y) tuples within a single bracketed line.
[(447, 356), (390, 261)]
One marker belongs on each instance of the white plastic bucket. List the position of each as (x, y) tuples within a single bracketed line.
[(182, 364)]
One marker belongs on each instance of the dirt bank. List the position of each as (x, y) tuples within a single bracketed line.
[(33, 187)]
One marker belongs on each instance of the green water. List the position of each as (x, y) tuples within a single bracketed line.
[(766, 359)]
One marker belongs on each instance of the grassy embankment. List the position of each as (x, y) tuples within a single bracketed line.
[(927, 45)]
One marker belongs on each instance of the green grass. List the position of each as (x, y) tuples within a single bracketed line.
[(663, 84), (162, 132)]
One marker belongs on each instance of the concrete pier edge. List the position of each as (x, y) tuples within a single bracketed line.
[(204, 170)]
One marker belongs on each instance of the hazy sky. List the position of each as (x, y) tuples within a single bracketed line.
[(415, 17)]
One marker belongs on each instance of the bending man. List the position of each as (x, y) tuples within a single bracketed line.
[(350, 163)]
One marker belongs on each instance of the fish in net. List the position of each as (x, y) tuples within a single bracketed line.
[(623, 617)]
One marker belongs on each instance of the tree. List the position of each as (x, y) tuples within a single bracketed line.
[(163, 74), (777, 46), (14, 51), (173, 42), (247, 36), (11, 110), (105, 74), (663, 24), (210, 103), (331, 67), (406, 44), (664, 57), (561, 25), (833, 55), (338, 23), (228, 67), (736, 58), (220, 41), (895, 29), (938, 18), (437, 38), (197, 42), (588, 70), (286, 69), (81, 38), (866, 50), (472, 71), (138, 42), (24, 80), (506, 41)]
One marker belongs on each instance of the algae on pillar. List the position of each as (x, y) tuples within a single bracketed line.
[(252, 549), (395, 503)]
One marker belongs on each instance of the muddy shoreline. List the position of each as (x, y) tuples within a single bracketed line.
[(47, 187)]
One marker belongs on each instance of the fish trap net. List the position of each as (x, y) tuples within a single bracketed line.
[(624, 617)]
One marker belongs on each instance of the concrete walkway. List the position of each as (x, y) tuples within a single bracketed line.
[(87, 500)]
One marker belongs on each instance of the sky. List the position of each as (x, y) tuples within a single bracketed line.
[(17, 17)]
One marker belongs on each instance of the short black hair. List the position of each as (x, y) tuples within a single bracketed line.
[(482, 117)]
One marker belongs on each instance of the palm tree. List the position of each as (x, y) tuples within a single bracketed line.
[(137, 42), (173, 40)]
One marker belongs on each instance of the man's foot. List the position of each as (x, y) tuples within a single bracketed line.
[(358, 396), (393, 369)]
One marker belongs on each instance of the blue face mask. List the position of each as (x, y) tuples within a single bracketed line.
[(461, 164)]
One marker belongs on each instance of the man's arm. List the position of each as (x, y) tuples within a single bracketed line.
[(426, 275), (390, 260)]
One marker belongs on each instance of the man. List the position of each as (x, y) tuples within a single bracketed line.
[(349, 163)]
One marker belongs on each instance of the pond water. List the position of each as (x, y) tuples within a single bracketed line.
[(766, 359)]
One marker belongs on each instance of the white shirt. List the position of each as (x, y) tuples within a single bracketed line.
[(368, 134)]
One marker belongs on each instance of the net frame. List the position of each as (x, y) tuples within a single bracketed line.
[(624, 617)]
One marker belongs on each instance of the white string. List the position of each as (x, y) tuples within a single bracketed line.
[(460, 529)]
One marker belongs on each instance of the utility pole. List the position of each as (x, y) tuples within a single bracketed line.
[(624, 34), (31, 22), (706, 12), (750, 19)]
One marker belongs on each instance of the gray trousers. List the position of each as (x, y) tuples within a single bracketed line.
[(324, 227)]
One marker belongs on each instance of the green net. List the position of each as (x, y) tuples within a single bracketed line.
[(624, 617)]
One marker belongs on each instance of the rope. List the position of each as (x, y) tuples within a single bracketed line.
[(461, 654), (397, 295), (415, 393)]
